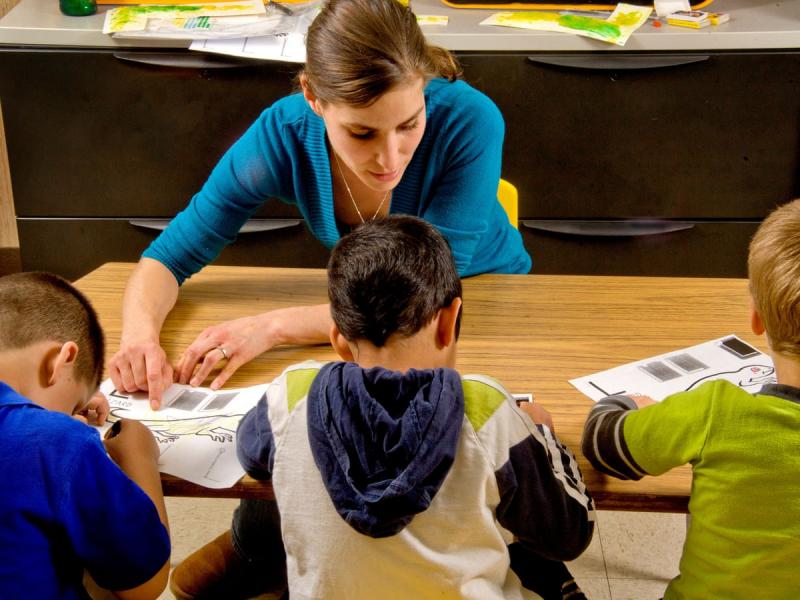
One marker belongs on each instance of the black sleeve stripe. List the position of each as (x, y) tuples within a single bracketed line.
[(603, 443), (541, 502)]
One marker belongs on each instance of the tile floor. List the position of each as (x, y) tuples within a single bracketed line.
[(632, 556)]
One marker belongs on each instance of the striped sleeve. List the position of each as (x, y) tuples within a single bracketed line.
[(541, 478), (603, 441), (543, 500)]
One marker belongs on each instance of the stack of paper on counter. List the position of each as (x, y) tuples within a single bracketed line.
[(682, 370), (195, 428), (242, 20), (285, 43)]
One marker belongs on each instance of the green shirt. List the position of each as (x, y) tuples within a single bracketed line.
[(744, 537)]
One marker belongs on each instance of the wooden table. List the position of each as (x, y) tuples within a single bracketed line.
[(532, 332)]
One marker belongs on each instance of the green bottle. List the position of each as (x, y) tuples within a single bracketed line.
[(78, 8)]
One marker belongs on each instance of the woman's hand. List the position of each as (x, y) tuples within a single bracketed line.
[(234, 343), (141, 364), (230, 345)]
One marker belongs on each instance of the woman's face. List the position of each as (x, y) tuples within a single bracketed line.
[(377, 142)]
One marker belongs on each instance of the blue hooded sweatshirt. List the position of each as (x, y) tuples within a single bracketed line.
[(383, 441)]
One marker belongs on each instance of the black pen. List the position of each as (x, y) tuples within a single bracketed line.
[(114, 430)]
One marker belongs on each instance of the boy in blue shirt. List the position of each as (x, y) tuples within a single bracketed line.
[(66, 507)]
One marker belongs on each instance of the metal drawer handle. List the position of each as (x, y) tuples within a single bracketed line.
[(252, 226), (609, 228), (179, 61), (617, 62)]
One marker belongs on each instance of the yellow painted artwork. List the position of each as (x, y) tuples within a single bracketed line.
[(616, 29)]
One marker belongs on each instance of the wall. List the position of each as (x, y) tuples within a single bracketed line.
[(9, 243)]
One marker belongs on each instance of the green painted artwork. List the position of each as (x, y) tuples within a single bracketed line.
[(134, 18), (616, 29)]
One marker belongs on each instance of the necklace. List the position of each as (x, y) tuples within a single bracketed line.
[(349, 193)]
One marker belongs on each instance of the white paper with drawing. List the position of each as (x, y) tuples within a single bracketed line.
[(195, 429), (682, 370)]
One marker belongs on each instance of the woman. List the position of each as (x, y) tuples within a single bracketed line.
[(382, 125)]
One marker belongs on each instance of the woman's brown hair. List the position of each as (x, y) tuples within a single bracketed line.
[(357, 50)]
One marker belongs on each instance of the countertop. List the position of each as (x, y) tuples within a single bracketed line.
[(754, 25)]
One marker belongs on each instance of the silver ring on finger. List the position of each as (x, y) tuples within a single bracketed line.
[(224, 352)]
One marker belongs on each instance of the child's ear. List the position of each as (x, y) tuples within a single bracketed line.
[(756, 322), (341, 345), (446, 325), (310, 97), (60, 361)]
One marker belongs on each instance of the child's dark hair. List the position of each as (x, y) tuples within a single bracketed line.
[(38, 307), (390, 276)]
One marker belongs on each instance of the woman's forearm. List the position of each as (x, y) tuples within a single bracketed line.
[(299, 325), (150, 294)]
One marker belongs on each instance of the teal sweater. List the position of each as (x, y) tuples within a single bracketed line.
[(451, 182)]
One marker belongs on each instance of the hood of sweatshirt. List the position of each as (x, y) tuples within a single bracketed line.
[(383, 440)]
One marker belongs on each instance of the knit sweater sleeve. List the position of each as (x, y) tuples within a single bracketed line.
[(464, 204), (255, 168)]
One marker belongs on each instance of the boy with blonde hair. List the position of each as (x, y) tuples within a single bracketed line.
[(66, 507), (744, 537)]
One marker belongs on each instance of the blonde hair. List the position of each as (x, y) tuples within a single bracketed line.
[(357, 50), (774, 271)]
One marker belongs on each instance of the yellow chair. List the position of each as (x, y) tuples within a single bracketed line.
[(508, 197)]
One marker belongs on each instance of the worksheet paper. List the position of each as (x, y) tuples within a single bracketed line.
[(286, 47), (195, 428), (682, 370)]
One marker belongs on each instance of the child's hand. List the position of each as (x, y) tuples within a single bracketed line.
[(94, 412), (641, 400), (537, 414), (130, 440)]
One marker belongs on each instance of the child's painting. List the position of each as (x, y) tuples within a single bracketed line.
[(135, 18), (616, 29)]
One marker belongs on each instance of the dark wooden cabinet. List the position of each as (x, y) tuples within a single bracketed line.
[(711, 141), (73, 247), (125, 134), (98, 139), (704, 249)]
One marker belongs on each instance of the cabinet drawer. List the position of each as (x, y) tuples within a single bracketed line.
[(713, 138), (704, 250), (73, 247), (91, 134)]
